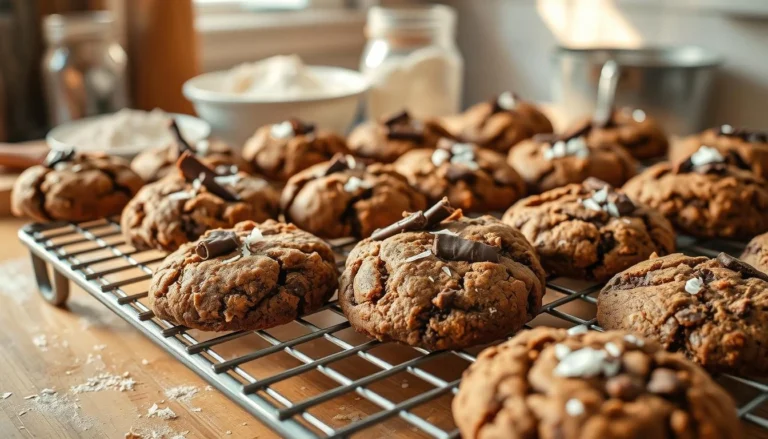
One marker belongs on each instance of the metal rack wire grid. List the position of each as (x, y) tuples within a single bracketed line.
[(315, 377)]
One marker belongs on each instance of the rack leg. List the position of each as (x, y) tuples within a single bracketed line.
[(57, 293)]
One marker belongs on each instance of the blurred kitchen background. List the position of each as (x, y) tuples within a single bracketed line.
[(505, 45)]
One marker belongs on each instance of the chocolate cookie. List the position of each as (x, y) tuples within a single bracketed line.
[(474, 179), (589, 230), (154, 164), (72, 186), (548, 162), (708, 195), (634, 130), (751, 146), (182, 206), (282, 150), (254, 276), (386, 140), (712, 310), (442, 285), (553, 383), (756, 253), (345, 198), (500, 123)]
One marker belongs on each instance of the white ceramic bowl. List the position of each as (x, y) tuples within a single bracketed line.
[(192, 128), (234, 118)]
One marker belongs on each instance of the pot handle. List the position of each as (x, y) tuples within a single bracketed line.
[(606, 93)]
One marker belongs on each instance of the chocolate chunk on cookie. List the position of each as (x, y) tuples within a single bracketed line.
[(473, 178), (354, 200), (385, 140), (590, 230), (479, 284), (550, 161), (750, 146), (712, 310), (548, 383), (756, 252), (499, 124), (282, 150), (272, 274), (707, 195), (72, 186), (156, 163), (634, 130), (175, 210)]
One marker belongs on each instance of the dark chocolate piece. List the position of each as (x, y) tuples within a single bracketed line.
[(414, 221), (624, 205), (191, 168), (403, 132), (439, 212), (217, 243), (456, 248), (300, 128), (56, 156), (745, 269), (341, 162), (181, 142), (398, 118), (735, 159)]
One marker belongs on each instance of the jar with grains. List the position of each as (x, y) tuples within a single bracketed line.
[(84, 67), (412, 61)]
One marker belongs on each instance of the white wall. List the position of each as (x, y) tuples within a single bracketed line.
[(507, 44)]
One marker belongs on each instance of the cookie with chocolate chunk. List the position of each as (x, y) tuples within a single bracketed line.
[(756, 252), (72, 186), (282, 150), (553, 383), (182, 206), (712, 310), (550, 161), (634, 130), (442, 281), (156, 163), (473, 178), (387, 139), (500, 123), (252, 276), (590, 230), (344, 197), (751, 146), (708, 195)]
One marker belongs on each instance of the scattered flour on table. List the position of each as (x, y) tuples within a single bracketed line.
[(157, 412), (6, 395), (352, 417), (16, 280), (50, 402), (162, 432), (105, 381), (41, 341), (181, 393)]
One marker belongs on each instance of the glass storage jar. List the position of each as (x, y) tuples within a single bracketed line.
[(412, 61)]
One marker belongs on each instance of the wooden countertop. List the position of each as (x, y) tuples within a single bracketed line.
[(45, 347)]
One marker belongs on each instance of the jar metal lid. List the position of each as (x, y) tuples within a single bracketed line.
[(58, 28), (410, 20)]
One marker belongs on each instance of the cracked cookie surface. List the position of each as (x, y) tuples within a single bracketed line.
[(169, 212), (284, 274), (492, 186), (719, 320), (547, 383), (575, 240), (731, 204), (634, 130), (389, 293), (385, 141), (351, 202), (756, 252), (83, 188), (752, 147), (156, 163)]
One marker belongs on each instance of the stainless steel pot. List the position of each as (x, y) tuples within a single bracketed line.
[(672, 84)]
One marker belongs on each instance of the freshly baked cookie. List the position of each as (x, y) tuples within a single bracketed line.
[(71, 186), (631, 128), (751, 146), (708, 195), (590, 230), (500, 123), (386, 140), (182, 206), (756, 252), (712, 310), (442, 281), (154, 164), (553, 383), (474, 179), (548, 162), (282, 150), (343, 198), (254, 276)]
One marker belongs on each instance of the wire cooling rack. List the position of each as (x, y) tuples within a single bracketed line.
[(314, 377)]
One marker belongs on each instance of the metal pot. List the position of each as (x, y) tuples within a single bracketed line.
[(672, 84)]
